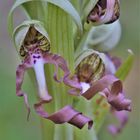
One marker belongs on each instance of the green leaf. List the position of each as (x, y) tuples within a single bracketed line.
[(125, 68), (35, 10), (63, 4)]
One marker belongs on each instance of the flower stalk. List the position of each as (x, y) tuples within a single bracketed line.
[(59, 26)]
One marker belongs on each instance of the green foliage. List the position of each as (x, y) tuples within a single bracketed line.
[(63, 4), (125, 68)]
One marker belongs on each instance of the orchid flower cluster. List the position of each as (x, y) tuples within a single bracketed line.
[(95, 70)]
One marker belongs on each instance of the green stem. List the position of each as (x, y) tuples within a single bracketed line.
[(59, 26), (39, 13), (86, 107)]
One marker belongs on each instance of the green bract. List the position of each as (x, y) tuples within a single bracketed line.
[(63, 4), (104, 37)]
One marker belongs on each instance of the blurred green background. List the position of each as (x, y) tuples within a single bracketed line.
[(13, 124)]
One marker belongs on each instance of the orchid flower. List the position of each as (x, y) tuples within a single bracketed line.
[(96, 75), (93, 78), (90, 76), (35, 58)]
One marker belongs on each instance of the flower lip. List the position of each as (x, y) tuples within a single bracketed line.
[(38, 65)]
